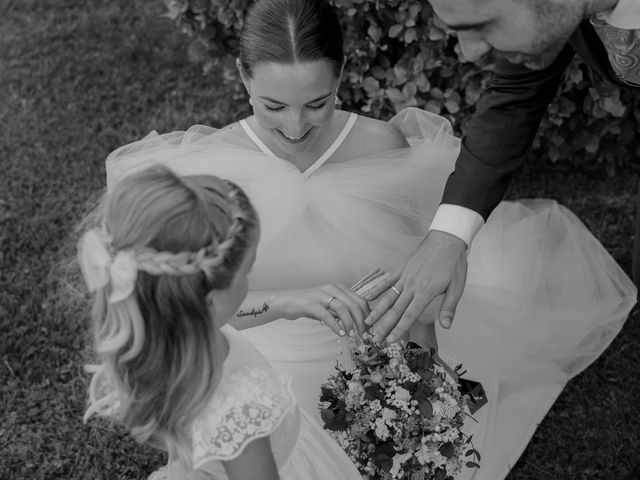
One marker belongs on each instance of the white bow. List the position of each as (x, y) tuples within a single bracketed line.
[(99, 269)]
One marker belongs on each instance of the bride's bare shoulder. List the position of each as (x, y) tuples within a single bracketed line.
[(373, 136)]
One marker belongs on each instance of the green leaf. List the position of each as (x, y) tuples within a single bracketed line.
[(447, 449), (332, 420), (451, 106), (426, 409), (394, 95), (410, 35), (370, 84), (614, 106), (378, 72), (477, 454), (423, 392), (440, 474), (327, 394), (409, 90), (436, 35), (374, 32), (383, 456), (395, 30)]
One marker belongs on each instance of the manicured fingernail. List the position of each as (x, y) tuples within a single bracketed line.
[(391, 338), (341, 332), (351, 333), (365, 335), (446, 322), (368, 321)]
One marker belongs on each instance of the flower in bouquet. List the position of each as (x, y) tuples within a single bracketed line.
[(397, 413)]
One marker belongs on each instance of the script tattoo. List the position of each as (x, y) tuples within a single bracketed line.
[(253, 312)]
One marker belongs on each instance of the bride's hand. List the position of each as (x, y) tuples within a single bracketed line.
[(334, 305)]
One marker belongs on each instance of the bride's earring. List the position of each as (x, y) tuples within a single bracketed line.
[(338, 101), (251, 101)]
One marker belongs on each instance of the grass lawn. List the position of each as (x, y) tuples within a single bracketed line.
[(79, 78)]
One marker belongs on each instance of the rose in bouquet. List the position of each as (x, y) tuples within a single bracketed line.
[(398, 414)]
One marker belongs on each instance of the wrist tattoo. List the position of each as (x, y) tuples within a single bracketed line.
[(253, 312)]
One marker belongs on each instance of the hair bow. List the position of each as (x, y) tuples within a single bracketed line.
[(99, 269)]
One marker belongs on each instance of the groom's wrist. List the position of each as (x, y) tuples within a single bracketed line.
[(462, 222)]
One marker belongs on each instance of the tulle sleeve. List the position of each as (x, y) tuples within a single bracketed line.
[(154, 149), (250, 403)]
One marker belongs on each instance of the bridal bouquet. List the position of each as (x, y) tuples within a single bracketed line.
[(398, 414)]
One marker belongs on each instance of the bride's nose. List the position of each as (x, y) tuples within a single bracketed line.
[(294, 124)]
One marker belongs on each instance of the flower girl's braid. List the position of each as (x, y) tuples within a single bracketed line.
[(160, 354), (205, 260)]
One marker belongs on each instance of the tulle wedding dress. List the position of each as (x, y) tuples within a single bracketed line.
[(543, 298)]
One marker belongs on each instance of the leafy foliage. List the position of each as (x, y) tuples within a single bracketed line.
[(400, 55)]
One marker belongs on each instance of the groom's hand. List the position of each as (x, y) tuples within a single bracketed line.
[(437, 266)]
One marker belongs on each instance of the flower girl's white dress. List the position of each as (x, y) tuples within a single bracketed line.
[(543, 298), (252, 401)]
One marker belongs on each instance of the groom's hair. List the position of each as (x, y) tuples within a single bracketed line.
[(289, 32)]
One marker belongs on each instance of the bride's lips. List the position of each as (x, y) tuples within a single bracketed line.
[(292, 140)]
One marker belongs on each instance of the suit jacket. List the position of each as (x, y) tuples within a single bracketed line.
[(507, 118)]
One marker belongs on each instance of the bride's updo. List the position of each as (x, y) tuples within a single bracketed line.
[(289, 32)]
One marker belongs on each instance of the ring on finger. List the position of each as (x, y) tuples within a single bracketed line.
[(397, 292), (327, 305)]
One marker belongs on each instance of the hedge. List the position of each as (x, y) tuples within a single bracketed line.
[(399, 55)]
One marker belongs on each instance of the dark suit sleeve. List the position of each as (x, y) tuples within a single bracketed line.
[(501, 132)]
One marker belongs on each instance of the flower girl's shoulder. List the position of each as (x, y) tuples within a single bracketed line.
[(250, 403)]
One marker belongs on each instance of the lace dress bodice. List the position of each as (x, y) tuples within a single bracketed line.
[(253, 401)]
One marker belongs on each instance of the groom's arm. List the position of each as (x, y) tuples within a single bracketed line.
[(498, 138), (496, 144)]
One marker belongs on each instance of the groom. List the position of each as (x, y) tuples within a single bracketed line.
[(534, 41)]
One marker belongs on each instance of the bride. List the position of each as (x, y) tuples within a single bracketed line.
[(339, 194)]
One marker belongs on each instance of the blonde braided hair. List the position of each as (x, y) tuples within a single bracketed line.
[(159, 349), (204, 260)]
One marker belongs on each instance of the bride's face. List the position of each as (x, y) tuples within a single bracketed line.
[(293, 103)]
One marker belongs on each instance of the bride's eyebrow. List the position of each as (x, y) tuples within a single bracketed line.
[(321, 97)]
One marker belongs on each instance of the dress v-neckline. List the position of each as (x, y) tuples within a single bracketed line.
[(320, 161)]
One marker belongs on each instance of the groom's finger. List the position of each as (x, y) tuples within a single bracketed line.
[(391, 317), (382, 286), (451, 298), (383, 305), (409, 316), (385, 296)]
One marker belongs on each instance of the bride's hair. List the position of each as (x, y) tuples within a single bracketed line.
[(159, 352), (289, 32)]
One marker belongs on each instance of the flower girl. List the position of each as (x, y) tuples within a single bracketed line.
[(168, 262)]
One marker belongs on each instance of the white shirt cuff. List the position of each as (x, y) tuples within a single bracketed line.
[(462, 222)]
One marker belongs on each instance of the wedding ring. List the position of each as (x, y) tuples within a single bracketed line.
[(327, 305), (393, 287)]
